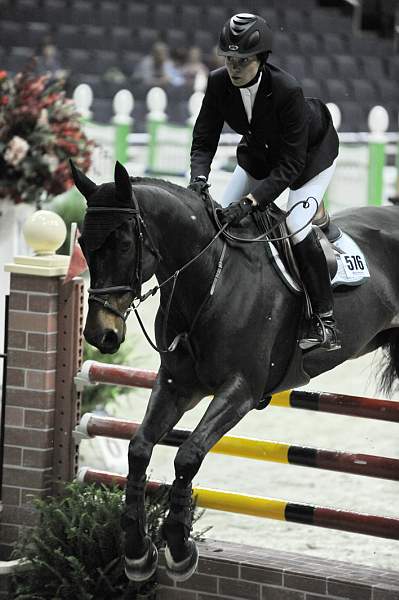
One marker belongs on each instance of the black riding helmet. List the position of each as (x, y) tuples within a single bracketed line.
[(245, 35)]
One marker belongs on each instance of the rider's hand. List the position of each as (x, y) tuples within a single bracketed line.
[(236, 211), (199, 185)]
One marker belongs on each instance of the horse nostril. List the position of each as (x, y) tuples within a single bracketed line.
[(110, 340)]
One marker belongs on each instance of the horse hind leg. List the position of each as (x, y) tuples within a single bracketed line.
[(227, 408)]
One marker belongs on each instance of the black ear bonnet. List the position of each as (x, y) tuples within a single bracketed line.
[(97, 226)]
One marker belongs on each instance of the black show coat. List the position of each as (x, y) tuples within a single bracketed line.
[(290, 138)]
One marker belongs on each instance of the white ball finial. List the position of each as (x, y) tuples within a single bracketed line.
[(44, 232), (378, 120), (157, 102), (335, 114), (83, 98), (123, 104)]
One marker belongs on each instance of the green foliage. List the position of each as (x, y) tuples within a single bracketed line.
[(76, 550), (98, 396)]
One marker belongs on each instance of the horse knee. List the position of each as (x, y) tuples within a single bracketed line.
[(188, 461)]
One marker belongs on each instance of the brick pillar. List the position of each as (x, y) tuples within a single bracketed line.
[(45, 339)]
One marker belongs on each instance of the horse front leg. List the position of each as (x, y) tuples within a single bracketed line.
[(166, 405), (229, 405)]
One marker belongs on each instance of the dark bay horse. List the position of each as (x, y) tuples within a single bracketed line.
[(231, 320)]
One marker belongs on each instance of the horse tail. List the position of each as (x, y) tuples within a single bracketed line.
[(389, 376)]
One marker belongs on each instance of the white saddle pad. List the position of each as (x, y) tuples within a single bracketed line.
[(352, 265)]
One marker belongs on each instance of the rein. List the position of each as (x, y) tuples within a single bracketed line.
[(265, 237), (174, 278), (95, 294)]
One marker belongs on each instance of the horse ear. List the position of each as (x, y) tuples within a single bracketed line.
[(123, 184), (85, 185)]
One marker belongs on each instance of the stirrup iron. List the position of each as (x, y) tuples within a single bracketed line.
[(321, 334)]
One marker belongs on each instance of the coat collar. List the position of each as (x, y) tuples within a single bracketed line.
[(263, 96)]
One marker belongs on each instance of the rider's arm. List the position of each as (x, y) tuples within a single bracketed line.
[(206, 134), (293, 117)]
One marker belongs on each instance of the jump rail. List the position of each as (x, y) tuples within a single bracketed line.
[(92, 425), (269, 508), (354, 406)]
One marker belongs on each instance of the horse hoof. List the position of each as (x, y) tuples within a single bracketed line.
[(180, 571), (141, 569)]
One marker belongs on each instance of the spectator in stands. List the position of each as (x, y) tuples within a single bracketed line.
[(48, 61), (157, 68), (193, 67), (288, 142), (114, 75)]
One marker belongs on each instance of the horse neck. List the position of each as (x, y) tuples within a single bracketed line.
[(180, 229)]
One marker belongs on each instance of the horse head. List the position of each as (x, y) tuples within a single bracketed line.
[(112, 242)]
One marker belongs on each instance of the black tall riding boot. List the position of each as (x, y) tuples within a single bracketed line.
[(313, 268)]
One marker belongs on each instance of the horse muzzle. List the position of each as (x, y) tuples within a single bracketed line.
[(107, 341)]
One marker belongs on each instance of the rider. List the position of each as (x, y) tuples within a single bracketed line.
[(288, 142)]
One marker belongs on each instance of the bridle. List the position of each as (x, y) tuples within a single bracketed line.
[(95, 294), (135, 286)]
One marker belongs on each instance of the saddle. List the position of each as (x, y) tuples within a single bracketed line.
[(345, 260)]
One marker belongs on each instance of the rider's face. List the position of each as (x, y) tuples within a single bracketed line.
[(242, 70)]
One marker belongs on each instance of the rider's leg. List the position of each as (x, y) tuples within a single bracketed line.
[(241, 183), (312, 263), (314, 271)]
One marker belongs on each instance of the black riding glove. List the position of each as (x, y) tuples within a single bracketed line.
[(199, 185), (236, 211)]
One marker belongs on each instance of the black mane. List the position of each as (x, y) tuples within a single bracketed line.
[(166, 185)]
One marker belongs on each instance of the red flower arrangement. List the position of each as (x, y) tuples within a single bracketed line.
[(40, 130)]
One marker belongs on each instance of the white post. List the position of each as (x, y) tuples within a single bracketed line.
[(157, 102), (335, 114), (12, 242), (378, 122), (194, 106), (123, 104), (83, 98)]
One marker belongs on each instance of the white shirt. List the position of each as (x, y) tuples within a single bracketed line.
[(248, 95)]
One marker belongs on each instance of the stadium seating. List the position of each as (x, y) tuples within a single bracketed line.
[(297, 65), (322, 65), (347, 66), (314, 43)]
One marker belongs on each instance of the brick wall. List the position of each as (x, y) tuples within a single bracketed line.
[(38, 338), (237, 572)]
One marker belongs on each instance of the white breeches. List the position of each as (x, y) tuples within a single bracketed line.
[(242, 183)]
